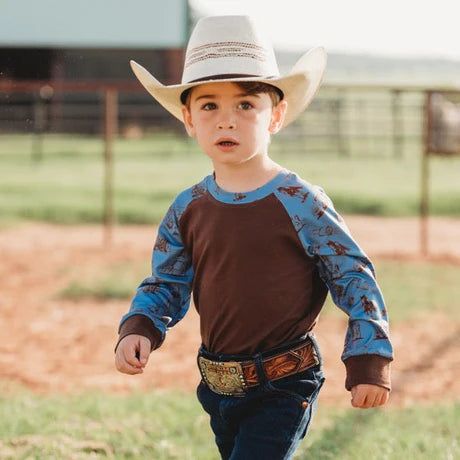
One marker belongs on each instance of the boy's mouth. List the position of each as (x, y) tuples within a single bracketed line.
[(226, 142)]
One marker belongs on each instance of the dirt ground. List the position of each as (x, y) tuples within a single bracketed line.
[(50, 344)]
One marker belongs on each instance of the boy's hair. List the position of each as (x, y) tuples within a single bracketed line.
[(249, 87)]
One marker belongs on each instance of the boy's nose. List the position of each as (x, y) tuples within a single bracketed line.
[(226, 121), (226, 125)]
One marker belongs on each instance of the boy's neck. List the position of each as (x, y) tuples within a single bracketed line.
[(247, 176)]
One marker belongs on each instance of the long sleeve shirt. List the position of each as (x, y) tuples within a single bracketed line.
[(260, 265)]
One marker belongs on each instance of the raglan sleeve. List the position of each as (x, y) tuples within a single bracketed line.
[(162, 299), (350, 277)]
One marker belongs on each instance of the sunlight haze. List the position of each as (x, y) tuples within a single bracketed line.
[(392, 28)]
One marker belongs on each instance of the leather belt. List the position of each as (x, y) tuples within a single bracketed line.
[(233, 378)]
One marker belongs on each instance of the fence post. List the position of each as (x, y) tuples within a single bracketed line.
[(39, 127), (110, 130), (398, 135), (338, 105), (424, 198)]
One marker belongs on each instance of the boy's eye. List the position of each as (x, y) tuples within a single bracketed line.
[(209, 106), (245, 105)]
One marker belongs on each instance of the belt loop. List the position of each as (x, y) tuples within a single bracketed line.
[(261, 374)]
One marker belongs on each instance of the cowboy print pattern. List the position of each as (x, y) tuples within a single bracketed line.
[(164, 297), (343, 266)]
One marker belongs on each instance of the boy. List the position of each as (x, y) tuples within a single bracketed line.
[(260, 248)]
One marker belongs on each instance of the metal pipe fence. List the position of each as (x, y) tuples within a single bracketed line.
[(344, 119)]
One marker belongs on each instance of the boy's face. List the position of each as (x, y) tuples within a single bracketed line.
[(231, 126)]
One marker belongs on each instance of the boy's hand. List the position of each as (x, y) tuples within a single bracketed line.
[(366, 395), (128, 349)]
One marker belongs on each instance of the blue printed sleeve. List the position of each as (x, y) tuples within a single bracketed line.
[(162, 299), (350, 277)]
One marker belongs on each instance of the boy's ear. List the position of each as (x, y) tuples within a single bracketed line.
[(278, 115), (187, 116)]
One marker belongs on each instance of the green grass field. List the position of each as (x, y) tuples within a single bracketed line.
[(67, 185), (167, 425)]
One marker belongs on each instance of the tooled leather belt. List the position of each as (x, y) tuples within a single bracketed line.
[(233, 378)]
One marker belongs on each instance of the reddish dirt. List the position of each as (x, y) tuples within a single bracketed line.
[(50, 344)]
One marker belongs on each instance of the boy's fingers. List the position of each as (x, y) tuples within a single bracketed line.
[(367, 402), (384, 398), (128, 369), (366, 396), (144, 350), (362, 397), (129, 355), (380, 397), (357, 397), (358, 400), (371, 400), (132, 354), (124, 367)]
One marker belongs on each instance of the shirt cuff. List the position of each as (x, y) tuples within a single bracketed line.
[(141, 325), (371, 369)]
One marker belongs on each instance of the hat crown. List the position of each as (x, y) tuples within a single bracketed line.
[(228, 45)]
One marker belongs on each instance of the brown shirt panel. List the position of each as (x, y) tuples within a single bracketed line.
[(254, 286)]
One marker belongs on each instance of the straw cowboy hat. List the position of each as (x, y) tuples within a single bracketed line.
[(230, 48)]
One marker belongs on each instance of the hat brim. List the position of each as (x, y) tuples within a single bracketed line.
[(299, 86)]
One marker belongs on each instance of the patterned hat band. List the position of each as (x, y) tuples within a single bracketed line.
[(225, 50), (207, 56)]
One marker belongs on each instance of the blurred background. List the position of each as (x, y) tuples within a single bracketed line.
[(89, 163)]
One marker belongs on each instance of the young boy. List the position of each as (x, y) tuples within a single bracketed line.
[(260, 248)]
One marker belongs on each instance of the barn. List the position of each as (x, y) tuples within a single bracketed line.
[(60, 41)]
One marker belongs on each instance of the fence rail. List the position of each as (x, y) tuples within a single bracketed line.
[(346, 119)]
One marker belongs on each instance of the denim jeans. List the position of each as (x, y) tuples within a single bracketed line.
[(271, 419)]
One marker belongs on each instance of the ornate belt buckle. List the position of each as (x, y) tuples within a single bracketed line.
[(224, 378)]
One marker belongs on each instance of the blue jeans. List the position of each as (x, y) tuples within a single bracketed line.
[(271, 419)]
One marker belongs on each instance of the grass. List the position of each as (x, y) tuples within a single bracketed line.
[(94, 425), (171, 425), (67, 185), (412, 289), (100, 289), (414, 433), (119, 281)]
